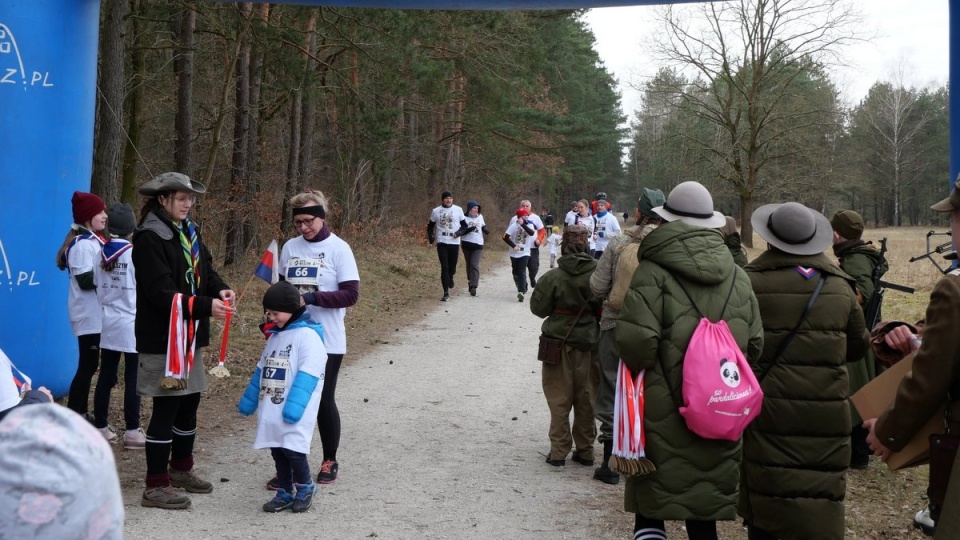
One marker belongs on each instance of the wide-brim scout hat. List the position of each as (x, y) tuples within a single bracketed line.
[(692, 204), (171, 181), (951, 203), (793, 228)]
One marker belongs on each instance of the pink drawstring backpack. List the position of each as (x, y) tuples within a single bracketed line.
[(721, 394)]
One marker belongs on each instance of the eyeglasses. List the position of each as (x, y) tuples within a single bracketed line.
[(297, 223), (188, 199)]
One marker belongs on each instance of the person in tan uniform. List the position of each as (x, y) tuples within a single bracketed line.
[(934, 380)]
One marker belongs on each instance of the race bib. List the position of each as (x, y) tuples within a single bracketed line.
[(304, 273), (273, 378)]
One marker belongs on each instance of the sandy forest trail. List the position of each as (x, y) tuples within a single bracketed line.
[(444, 435)]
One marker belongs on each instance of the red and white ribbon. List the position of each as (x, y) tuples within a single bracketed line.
[(180, 343)]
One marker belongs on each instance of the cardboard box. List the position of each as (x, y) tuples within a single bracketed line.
[(874, 398)]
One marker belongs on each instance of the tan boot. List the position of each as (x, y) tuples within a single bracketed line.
[(165, 497), (189, 481)]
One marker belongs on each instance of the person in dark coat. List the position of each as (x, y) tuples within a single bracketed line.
[(731, 238), (795, 454), (858, 259), (933, 382), (696, 479), (563, 298), (172, 263)]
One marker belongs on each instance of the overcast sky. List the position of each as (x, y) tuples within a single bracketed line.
[(913, 30)]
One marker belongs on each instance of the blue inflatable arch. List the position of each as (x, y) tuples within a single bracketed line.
[(48, 68)]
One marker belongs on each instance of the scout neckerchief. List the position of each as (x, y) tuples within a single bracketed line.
[(629, 434), (191, 252), (82, 234), (180, 344), (111, 252)]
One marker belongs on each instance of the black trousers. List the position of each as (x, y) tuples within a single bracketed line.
[(520, 265), (171, 433), (533, 265), (448, 255), (328, 415), (78, 399), (291, 467), (108, 379)]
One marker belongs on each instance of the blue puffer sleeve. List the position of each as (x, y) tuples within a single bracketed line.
[(251, 396), (303, 386)]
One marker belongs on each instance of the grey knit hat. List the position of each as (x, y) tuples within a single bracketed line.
[(120, 219), (58, 478)]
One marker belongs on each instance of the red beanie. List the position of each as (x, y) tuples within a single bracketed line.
[(522, 212), (85, 206)]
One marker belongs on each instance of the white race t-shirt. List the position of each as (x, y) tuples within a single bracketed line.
[(570, 218), (607, 227), (476, 236), (448, 222), (554, 241), (520, 237), (287, 353), (117, 291), (590, 223), (321, 266), (83, 306), (9, 393)]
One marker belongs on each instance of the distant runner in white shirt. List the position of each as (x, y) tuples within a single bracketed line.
[(533, 263), (520, 236), (447, 224), (607, 227), (571, 218)]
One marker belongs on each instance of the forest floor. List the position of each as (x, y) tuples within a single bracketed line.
[(444, 425)]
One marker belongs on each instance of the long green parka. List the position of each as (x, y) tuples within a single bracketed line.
[(796, 452), (695, 478), (564, 289)]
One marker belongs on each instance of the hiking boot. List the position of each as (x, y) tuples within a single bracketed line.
[(924, 522), (606, 475), (189, 481), (165, 497), (273, 484), (281, 501), (329, 470), (583, 461), (108, 433), (519, 297), (304, 497), (134, 439), (473, 291), (556, 462)]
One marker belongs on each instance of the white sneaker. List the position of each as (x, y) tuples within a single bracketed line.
[(134, 439), (924, 522), (108, 433)]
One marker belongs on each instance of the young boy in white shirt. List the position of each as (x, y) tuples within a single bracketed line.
[(554, 242), (287, 384)]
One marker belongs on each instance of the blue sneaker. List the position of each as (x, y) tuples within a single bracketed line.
[(281, 501), (304, 496)]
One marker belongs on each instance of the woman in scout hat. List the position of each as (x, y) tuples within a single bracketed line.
[(178, 291), (796, 453)]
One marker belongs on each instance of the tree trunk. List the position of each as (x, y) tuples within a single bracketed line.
[(183, 68), (134, 102), (292, 182), (106, 159), (309, 120), (238, 215)]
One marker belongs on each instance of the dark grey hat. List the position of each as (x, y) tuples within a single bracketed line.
[(793, 228), (283, 297), (951, 203), (171, 181), (692, 204), (121, 220)]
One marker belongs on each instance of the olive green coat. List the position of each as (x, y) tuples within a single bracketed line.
[(795, 454), (695, 478), (858, 259), (565, 288)]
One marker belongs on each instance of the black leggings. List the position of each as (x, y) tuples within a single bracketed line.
[(107, 380), (328, 416), (78, 399), (653, 529), (171, 433)]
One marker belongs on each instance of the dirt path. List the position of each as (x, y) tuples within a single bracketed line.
[(444, 431)]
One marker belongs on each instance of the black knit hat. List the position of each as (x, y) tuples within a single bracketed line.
[(283, 297), (445, 194)]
